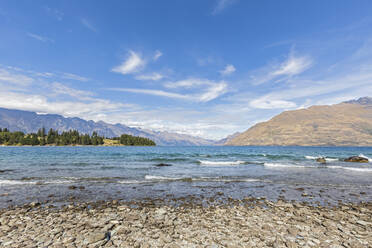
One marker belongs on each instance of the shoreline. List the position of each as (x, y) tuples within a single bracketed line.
[(185, 222), (111, 145)]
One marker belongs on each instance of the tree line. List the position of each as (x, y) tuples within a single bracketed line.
[(72, 137), (129, 140)]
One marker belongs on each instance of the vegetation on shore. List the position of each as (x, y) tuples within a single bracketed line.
[(72, 137)]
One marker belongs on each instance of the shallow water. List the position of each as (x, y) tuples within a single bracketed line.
[(40, 173)]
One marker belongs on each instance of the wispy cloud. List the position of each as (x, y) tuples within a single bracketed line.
[(221, 5), (264, 103), (74, 77), (153, 77), (134, 63), (55, 13), (40, 103), (292, 66), (189, 83), (62, 89), (206, 61), (14, 78), (157, 55), (211, 90), (229, 69), (152, 92), (86, 23), (34, 92), (39, 37)]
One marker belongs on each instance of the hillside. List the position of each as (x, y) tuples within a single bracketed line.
[(28, 122), (345, 124)]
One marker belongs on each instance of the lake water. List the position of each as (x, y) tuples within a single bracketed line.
[(102, 173)]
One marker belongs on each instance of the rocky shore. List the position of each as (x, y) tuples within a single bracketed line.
[(249, 222)]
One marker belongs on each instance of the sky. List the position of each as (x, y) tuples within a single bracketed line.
[(205, 68)]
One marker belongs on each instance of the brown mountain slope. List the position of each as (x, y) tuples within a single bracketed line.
[(344, 124)]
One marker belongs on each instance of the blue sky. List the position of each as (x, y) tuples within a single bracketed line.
[(206, 68)]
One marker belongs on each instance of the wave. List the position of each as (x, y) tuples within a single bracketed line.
[(220, 163), (200, 179), (57, 182), (351, 168), (162, 178), (327, 159), (332, 159), (363, 156), (14, 182), (25, 182), (131, 181), (219, 179), (278, 165), (358, 169)]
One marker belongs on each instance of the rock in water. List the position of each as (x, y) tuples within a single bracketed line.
[(321, 160), (357, 159), (162, 165)]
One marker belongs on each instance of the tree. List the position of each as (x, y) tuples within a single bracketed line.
[(41, 132)]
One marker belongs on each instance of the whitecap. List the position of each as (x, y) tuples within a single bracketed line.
[(358, 169), (351, 168), (15, 182), (152, 177), (363, 156), (220, 163), (57, 182), (219, 179), (311, 157), (131, 181), (327, 159), (332, 159), (278, 165)]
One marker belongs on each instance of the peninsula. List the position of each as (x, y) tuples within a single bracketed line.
[(69, 138)]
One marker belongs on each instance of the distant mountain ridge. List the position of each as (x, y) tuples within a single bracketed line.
[(221, 142), (361, 101), (345, 124), (27, 121)]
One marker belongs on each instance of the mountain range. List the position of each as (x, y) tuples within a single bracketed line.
[(344, 124), (27, 122)]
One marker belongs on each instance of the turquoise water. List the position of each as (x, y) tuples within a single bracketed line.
[(29, 173)]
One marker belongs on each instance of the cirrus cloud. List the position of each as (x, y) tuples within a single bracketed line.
[(229, 69), (134, 63), (147, 77), (210, 90)]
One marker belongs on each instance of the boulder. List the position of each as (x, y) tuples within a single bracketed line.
[(356, 159), (321, 160)]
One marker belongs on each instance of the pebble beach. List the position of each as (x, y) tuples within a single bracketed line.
[(187, 222)]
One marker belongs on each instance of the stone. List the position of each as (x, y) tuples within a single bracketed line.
[(363, 223), (187, 223), (95, 237), (321, 160), (356, 159), (162, 165), (34, 204)]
